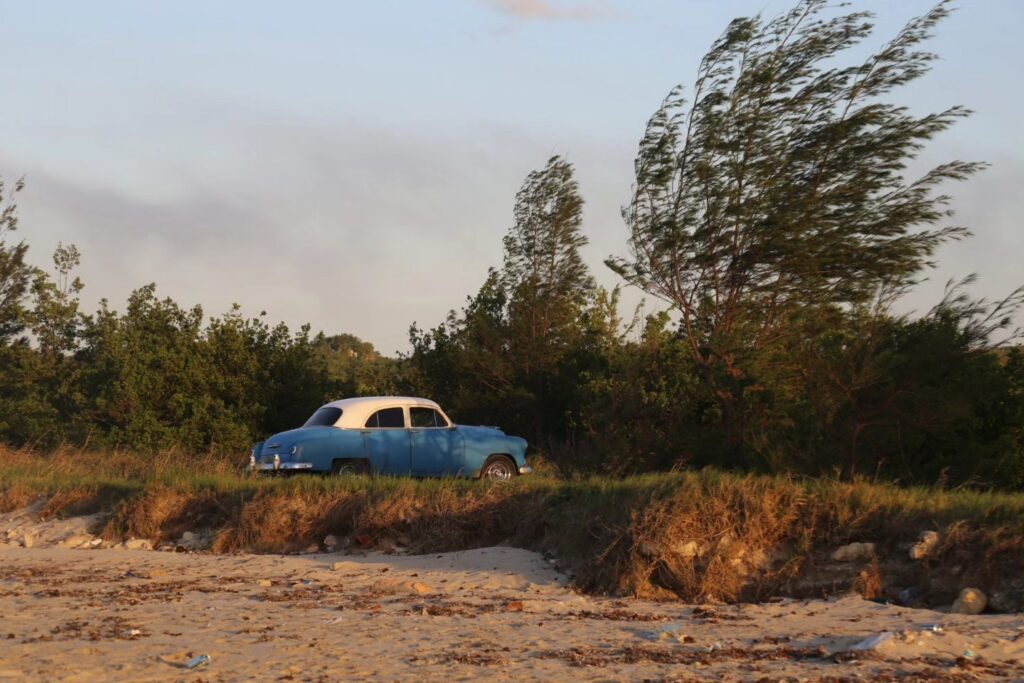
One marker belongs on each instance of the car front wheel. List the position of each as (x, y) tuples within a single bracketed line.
[(498, 468), (349, 468)]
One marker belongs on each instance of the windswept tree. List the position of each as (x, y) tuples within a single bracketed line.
[(15, 274), (548, 287), (777, 194), (543, 265), (503, 358)]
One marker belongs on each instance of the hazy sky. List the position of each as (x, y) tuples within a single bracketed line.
[(353, 164)]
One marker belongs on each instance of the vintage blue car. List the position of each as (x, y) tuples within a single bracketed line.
[(391, 435)]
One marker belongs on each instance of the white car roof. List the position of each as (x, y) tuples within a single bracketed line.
[(356, 411)]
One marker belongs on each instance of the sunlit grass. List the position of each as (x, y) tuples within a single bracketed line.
[(617, 534)]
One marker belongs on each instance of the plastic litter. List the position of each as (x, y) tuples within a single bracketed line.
[(874, 642), (934, 628), (970, 654), (669, 631), (197, 662), (673, 632)]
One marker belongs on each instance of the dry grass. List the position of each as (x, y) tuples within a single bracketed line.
[(691, 535)]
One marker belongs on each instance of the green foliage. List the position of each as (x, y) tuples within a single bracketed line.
[(357, 369), (15, 274), (155, 376), (911, 400), (781, 188)]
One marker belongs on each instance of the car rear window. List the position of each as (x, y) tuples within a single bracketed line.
[(325, 417)]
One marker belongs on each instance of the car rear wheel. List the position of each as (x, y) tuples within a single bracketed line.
[(349, 468), (498, 468)]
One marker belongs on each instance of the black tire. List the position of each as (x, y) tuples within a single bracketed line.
[(498, 468), (349, 468)]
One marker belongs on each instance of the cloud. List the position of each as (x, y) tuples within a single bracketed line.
[(545, 10), (354, 227)]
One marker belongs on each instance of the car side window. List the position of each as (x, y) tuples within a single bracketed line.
[(386, 418), (426, 418), (423, 417)]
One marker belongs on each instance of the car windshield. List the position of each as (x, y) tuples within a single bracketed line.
[(325, 417)]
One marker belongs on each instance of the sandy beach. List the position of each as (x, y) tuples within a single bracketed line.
[(494, 613)]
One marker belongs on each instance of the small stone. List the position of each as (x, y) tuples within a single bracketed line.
[(421, 588), (725, 543), (265, 583), (27, 541), (191, 540), (75, 541), (315, 548), (138, 544), (648, 550), (331, 542), (925, 546), (688, 549), (971, 601), (1007, 596), (852, 552)]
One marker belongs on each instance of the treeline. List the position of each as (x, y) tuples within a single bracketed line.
[(772, 214)]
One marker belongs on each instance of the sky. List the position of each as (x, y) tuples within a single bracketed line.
[(353, 165)]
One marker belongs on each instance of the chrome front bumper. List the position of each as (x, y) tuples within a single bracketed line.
[(277, 465), (525, 469), (281, 466)]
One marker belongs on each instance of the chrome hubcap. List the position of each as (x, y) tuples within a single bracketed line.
[(499, 471)]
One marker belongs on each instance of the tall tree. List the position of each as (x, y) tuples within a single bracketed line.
[(504, 358), (15, 274), (55, 318), (542, 248), (548, 284), (778, 195)]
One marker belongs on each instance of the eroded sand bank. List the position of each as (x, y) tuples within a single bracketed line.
[(495, 613)]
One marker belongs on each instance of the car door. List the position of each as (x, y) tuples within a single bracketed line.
[(436, 448), (386, 441)]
